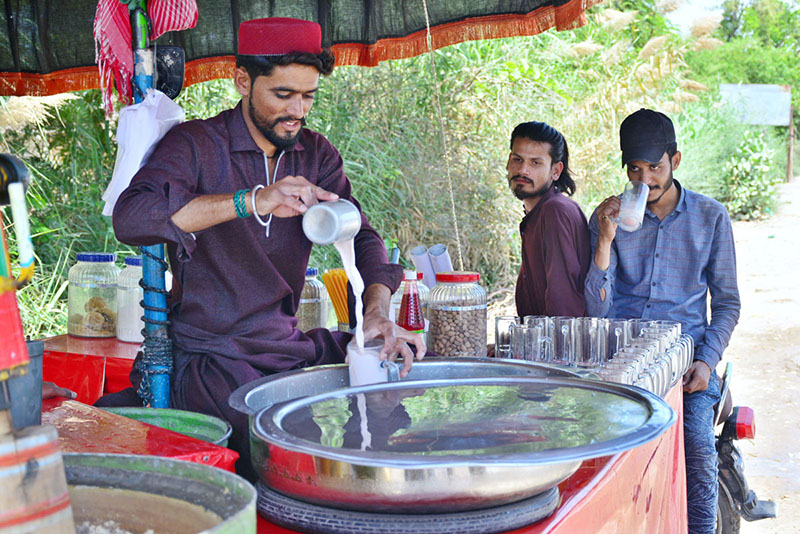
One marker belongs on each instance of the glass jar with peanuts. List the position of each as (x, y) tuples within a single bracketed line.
[(92, 295), (457, 315)]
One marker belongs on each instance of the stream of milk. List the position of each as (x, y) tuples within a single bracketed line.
[(363, 365), (348, 253)]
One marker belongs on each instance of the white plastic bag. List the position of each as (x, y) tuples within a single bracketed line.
[(141, 127)]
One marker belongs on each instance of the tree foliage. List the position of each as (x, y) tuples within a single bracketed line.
[(762, 45), (773, 23)]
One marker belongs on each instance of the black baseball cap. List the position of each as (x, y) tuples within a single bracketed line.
[(645, 135)]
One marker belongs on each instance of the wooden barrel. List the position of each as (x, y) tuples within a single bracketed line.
[(33, 487)]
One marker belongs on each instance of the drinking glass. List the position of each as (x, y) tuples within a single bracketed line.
[(660, 338), (564, 340), (502, 335), (647, 347), (620, 373), (619, 335), (548, 331), (675, 356), (675, 325), (656, 378), (526, 342), (632, 359), (530, 320), (671, 331), (687, 350), (663, 368), (590, 341), (646, 381), (632, 206), (637, 325)]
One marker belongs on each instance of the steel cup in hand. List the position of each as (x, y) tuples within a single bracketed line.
[(329, 222)]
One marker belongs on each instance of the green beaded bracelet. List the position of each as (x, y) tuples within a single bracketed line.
[(238, 203)]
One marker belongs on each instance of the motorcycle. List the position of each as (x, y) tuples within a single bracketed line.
[(736, 499)]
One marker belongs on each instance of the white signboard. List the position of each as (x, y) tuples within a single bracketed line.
[(759, 104)]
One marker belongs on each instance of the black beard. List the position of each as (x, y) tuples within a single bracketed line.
[(268, 130), (666, 188), (522, 195)]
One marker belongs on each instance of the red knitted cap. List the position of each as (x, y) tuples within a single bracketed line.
[(278, 35)]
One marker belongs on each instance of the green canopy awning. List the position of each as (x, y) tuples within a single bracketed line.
[(47, 47)]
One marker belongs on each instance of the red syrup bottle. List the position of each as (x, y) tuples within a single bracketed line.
[(410, 316)]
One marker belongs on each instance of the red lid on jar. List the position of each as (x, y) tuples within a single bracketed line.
[(457, 276)]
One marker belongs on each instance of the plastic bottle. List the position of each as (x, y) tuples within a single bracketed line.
[(397, 298), (410, 316), (129, 294)]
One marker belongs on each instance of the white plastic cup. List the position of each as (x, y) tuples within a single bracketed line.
[(330, 222), (440, 258), (632, 206), (422, 263), (364, 364)]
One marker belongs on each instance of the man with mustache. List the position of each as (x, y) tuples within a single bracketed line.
[(666, 270), (555, 237), (225, 195)]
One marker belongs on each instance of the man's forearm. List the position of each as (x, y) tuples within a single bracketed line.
[(207, 211), (724, 317), (376, 300), (602, 254)]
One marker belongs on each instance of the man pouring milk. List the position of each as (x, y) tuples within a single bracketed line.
[(226, 194)]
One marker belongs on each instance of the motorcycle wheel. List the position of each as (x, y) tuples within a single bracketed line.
[(728, 519)]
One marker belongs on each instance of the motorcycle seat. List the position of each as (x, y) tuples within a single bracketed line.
[(724, 408)]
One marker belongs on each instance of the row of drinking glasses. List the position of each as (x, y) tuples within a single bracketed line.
[(650, 354)]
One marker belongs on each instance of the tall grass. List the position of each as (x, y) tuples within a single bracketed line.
[(69, 151)]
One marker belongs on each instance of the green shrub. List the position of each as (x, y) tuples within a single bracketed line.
[(707, 136), (750, 183)]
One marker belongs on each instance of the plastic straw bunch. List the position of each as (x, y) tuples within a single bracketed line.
[(335, 281)]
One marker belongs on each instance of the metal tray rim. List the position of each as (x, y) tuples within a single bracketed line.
[(238, 399), (662, 416)]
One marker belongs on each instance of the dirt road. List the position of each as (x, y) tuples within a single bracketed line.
[(765, 351)]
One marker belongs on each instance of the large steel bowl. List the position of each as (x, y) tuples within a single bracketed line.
[(500, 462), (264, 392)]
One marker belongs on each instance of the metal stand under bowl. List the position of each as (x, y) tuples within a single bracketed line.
[(310, 518)]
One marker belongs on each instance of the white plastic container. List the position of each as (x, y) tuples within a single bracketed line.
[(129, 294)]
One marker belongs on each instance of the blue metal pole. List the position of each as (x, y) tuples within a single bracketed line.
[(157, 355)]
